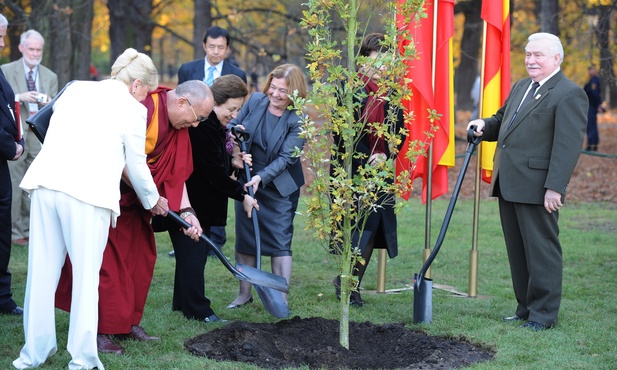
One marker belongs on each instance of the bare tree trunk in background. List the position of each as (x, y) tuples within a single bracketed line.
[(201, 22), (130, 26), (468, 69), (550, 16), (59, 44), (118, 24), (606, 57), (143, 25), (17, 25), (81, 31)]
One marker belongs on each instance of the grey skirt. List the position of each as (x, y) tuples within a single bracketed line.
[(276, 216)]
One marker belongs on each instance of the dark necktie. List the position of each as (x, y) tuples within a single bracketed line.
[(31, 84), (526, 100), (530, 94)]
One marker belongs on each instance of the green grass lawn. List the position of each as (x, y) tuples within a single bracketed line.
[(585, 338)]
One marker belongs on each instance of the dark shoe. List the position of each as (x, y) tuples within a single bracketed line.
[(356, 300), (171, 253), (513, 318), (15, 311), (104, 344), (535, 326), (231, 305), (337, 287), (22, 242), (138, 333), (214, 318)]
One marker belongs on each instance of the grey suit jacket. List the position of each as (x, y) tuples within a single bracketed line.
[(284, 170), (541, 147), (14, 73)]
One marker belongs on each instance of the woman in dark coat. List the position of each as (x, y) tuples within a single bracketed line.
[(380, 227), (209, 187)]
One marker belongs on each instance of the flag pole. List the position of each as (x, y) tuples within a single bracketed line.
[(473, 253), (429, 178)]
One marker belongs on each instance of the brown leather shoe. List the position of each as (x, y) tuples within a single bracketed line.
[(104, 344), (138, 333)]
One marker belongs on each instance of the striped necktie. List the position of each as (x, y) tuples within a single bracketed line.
[(210, 78)]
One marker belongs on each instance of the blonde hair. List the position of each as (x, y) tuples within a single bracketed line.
[(132, 65)]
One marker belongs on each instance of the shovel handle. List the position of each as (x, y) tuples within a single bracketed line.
[(242, 136), (177, 219), (473, 142)]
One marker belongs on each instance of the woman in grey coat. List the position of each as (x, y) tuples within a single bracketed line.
[(276, 175)]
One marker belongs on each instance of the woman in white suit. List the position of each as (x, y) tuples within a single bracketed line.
[(97, 131)]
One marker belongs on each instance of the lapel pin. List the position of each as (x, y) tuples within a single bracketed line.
[(538, 96)]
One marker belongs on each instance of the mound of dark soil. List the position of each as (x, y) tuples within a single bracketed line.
[(314, 342)]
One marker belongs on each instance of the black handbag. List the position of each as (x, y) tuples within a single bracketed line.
[(39, 122)]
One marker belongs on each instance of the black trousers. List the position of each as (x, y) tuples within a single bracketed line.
[(189, 282), (6, 300)]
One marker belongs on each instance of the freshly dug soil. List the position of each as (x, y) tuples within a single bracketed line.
[(314, 342)]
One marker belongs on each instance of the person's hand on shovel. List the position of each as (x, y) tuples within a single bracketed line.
[(240, 158), (195, 231), (160, 208), (255, 180), (249, 203)]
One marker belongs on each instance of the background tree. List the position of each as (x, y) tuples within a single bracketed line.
[(550, 16), (202, 21), (468, 67)]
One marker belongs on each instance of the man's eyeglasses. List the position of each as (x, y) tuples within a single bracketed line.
[(197, 119)]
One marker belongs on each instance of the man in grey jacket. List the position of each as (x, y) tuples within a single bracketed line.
[(539, 131)]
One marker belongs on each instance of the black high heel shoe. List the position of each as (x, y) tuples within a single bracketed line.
[(231, 305), (356, 300)]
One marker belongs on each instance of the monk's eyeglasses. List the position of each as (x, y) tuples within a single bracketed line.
[(197, 119)]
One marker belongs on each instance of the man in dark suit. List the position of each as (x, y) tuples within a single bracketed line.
[(208, 69), (214, 65), (11, 148), (539, 133), (34, 86)]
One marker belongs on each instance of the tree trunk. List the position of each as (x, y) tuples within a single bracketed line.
[(550, 16), (130, 26), (81, 30), (118, 24), (468, 68), (59, 43), (17, 25), (606, 57), (201, 22)]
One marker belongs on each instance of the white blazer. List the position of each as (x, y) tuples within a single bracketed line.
[(97, 128)]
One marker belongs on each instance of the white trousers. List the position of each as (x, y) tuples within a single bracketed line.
[(61, 224)]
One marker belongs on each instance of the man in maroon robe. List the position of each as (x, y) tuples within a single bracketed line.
[(130, 254)]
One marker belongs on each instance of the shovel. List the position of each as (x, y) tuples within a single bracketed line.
[(272, 299), (423, 288), (247, 273)]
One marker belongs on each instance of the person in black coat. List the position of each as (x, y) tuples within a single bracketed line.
[(209, 188), (216, 44), (11, 148), (379, 226), (594, 94)]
